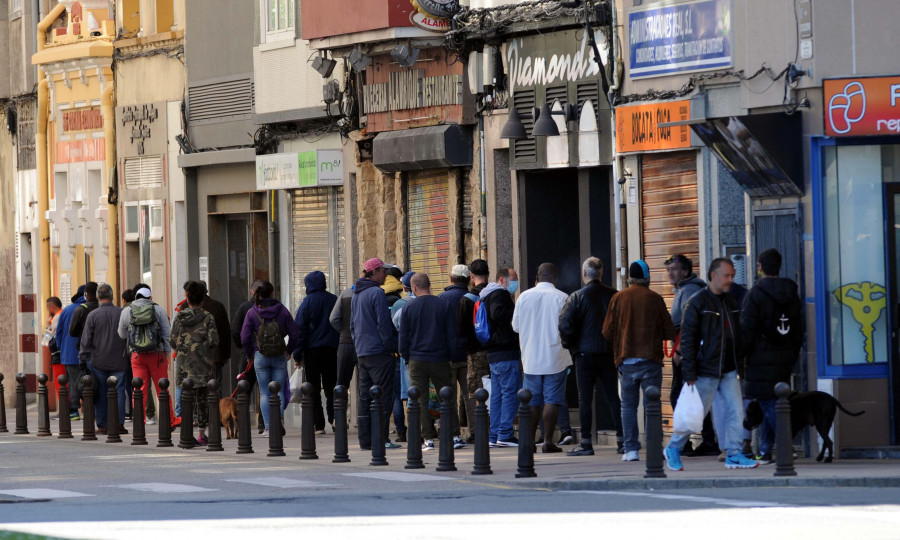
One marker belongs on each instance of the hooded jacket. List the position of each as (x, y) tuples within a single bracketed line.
[(79, 316), (464, 324), (268, 309), (194, 338), (340, 316), (370, 320), (393, 289), (769, 363), (313, 313), (684, 290), (458, 341), (500, 308), (426, 329), (68, 345)]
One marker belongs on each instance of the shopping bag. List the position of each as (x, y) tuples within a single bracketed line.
[(486, 384), (296, 381), (688, 417)]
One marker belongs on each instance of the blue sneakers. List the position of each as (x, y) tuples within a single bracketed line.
[(740, 461), (673, 459)]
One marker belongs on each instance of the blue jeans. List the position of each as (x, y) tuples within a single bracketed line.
[(268, 369), (727, 393), (634, 379), (399, 396), (767, 428), (506, 381), (101, 409)]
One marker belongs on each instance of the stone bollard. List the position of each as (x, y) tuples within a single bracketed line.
[(21, 412), (87, 399), (445, 452), (245, 443), (526, 444), (65, 423), (341, 455), (3, 428), (482, 434), (276, 442), (214, 428), (653, 433), (138, 428), (414, 430), (165, 420), (186, 440), (784, 440), (307, 423), (112, 413), (377, 412), (43, 407)]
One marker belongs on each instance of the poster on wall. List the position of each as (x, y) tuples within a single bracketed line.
[(668, 39)]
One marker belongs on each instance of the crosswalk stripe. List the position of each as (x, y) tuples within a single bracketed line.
[(278, 482), (42, 493), (399, 476), (158, 487)]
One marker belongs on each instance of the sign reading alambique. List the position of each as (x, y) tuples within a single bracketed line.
[(412, 90)]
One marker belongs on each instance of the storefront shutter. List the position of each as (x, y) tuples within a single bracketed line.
[(318, 239), (143, 172), (429, 224)]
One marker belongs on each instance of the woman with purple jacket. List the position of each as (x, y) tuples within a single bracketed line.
[(272, 367)]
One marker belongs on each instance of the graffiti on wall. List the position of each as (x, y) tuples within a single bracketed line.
[(866, 301)]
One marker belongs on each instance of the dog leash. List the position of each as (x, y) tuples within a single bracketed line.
[(670, 354), (241, 376)]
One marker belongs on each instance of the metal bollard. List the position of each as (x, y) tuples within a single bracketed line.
[(165, 420), (139, 430), (43, 407), (214, 428), (276, 443), (414, 430), (784, 443), (112, 412), (65, 423), (186, 440), (341, 454), (87, 398), (482, 434), (21, 412), (445, 452), (3, 428), (377, 411), (307, 423), (653, 433), (526, 444), (245, 443)]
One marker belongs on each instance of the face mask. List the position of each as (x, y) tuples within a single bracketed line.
[(512, 287)]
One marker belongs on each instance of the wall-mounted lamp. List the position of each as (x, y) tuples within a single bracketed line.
[(358, 60), (405, 55), (513, 128), (324, 66), (544, 126)]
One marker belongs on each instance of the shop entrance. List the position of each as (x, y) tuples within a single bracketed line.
[(892, 258)]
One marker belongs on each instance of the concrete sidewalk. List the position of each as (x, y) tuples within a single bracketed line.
[(602, 472)]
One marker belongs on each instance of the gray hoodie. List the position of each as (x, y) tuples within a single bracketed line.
[(685, 289)]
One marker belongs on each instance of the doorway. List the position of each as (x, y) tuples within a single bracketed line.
[(892, 264)]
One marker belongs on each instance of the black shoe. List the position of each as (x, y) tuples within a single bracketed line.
[(401, 438), (566, 438), (470, 439), (581, 451), (262, 429), (122, 430), (283, 432), (620, 447)]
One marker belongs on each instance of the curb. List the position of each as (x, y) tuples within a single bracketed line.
[(702, 483)]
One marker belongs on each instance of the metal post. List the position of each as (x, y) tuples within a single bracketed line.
[(214, 428), (276, 443), (21, 412), (653, 433), (186, 440), (245, 443), (3, 428), (445, 452), (784, 443), (413, 430), (138, 428), (112, 412), (307, 423), (482, 434), (165, 420), (43, 407), (378, 457), (87, 399), (65, 423), (526, 444), (341, 454)]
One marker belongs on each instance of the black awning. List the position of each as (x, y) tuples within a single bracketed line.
[(763, 152), (434, 147)]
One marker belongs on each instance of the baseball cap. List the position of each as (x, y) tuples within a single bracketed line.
[(460, 270), (143, 292), (639, 270), (405, 280), (373, 264), (479, 267)]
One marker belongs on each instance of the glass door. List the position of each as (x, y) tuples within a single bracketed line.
[(892, 264)]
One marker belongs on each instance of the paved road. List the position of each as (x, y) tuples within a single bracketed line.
[(118, 491)]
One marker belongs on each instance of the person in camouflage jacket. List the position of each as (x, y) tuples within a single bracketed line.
[(194, 336)]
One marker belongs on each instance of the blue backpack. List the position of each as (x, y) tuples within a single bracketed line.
[(481, 323)]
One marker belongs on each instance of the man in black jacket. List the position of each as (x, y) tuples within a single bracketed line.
[(76, 325), (452, 295), (712, 354), (504, 356), (580, 327), (237, 323), (476, 357), (772, 329)]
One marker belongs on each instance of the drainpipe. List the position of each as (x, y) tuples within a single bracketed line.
[(619, 213), (482, 229), (112, 216)]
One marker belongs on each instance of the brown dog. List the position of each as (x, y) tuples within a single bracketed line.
[(228, 413)]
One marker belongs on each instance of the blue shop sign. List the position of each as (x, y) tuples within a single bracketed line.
[(667, 39)]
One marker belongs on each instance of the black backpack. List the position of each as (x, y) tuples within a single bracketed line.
[(783, 329), (269, 340)]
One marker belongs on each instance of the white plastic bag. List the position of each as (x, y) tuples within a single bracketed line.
[(688, 417), (486, 384), (296, 381)]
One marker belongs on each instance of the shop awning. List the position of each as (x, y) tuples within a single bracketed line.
[(434, 147)]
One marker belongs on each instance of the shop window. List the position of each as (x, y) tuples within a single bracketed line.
[(279, 20)]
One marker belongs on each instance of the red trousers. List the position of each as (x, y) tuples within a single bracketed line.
[(151, 366)]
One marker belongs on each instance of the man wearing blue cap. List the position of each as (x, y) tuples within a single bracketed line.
[(636, 324)]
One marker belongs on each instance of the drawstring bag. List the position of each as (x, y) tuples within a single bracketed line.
[(688, 411)]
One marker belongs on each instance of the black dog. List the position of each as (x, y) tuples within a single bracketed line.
[(807, 409)]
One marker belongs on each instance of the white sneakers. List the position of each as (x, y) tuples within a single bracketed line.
[(631, 455)]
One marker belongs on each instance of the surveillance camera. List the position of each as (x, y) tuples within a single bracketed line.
[(623, 180)]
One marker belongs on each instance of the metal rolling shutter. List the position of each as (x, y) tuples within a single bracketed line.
[(336, 220), (318, 238), (428, 223), (670, 224)]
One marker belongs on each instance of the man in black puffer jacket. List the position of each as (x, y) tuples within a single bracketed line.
[(772, 329), (580, 328)]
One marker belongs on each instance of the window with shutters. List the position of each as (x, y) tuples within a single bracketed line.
[(525, 150), (143, 172), (25, 135)]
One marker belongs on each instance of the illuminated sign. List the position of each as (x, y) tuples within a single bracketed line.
[(862, 106)]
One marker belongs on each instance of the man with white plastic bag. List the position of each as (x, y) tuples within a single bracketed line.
[(712, 353)]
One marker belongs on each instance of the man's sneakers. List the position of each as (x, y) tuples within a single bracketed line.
[(493, 444), (320, 431), (631, 455), (151, 420), (391, 446), (581, 450), (73, 416), (428, 445), (512, 442), (458, 443), (202, 440), (401, 438), (765, 459), (673, 458), (566, 438), (740, 461)]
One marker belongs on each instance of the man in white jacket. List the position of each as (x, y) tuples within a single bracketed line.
[(544, 361)]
